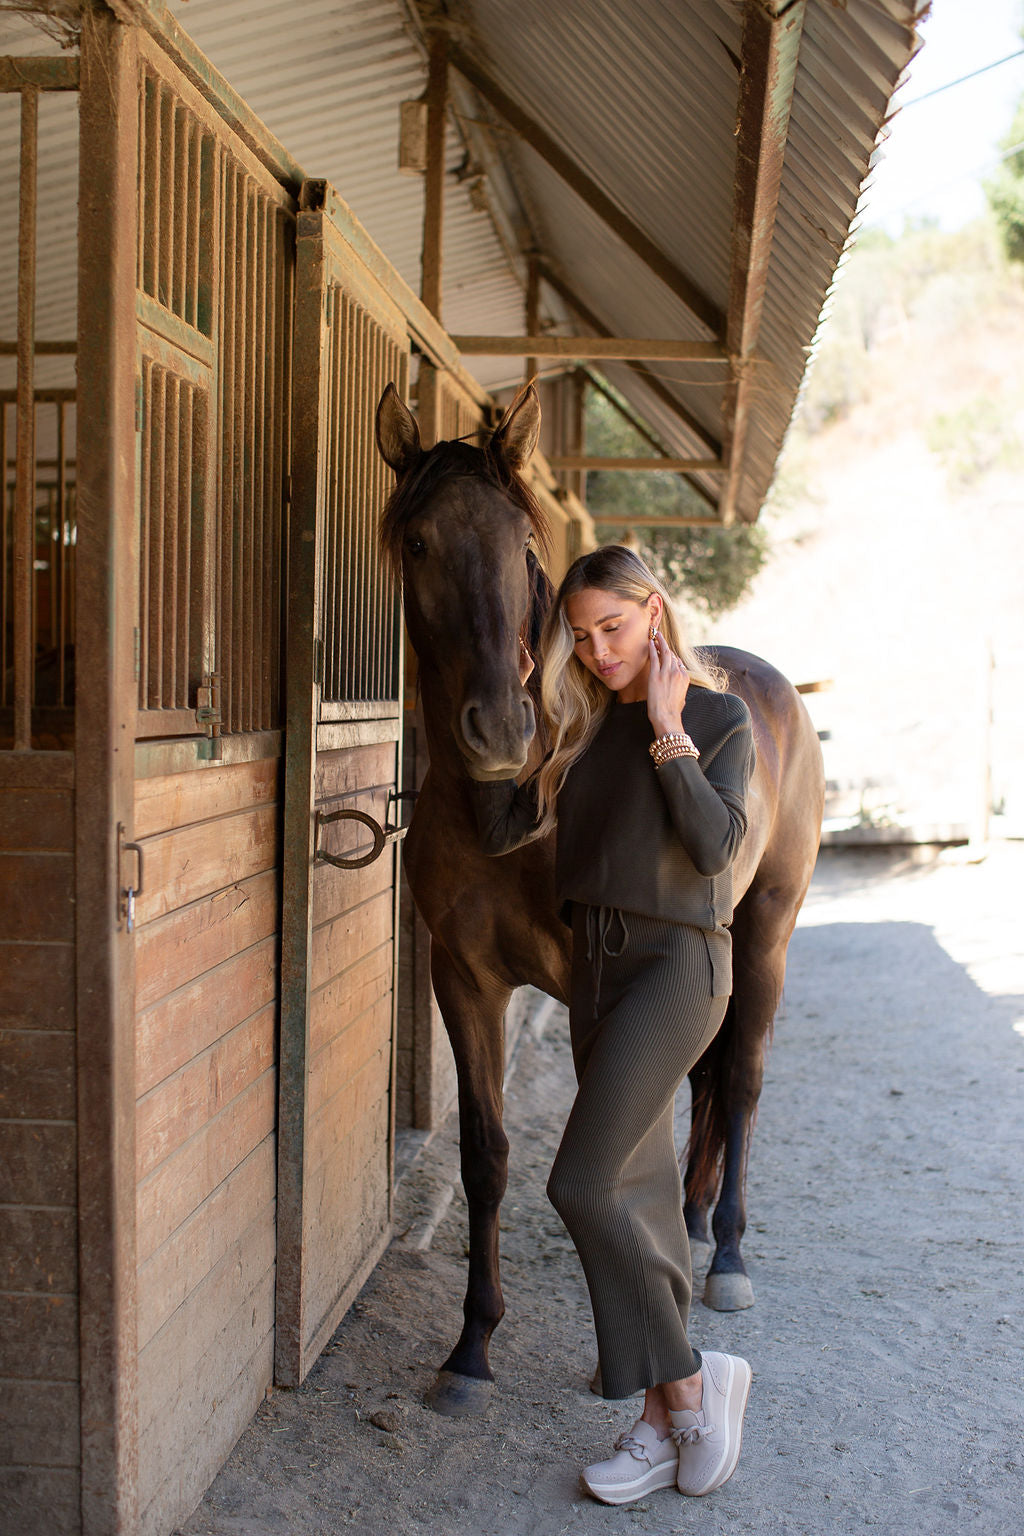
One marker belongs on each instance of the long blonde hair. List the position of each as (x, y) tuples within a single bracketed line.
[(575, 702)]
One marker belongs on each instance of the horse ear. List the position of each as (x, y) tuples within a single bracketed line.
[(519, 430), (398, 436)]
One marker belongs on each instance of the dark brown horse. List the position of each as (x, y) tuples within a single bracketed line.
[(459, 528)]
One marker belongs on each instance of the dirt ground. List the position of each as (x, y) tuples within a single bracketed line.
[(885, 1246)]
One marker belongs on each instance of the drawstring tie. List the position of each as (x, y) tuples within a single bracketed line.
[(600, 922)]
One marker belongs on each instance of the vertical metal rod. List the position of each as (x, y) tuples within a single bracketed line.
[(193, 222), (25, 469), (433, 187), (154, 104), (246, 616), (58, 581), (226, 446), (336, 423), (143, 191), (239, 256), (145, 481), (165, 247), (182, 212), (4, 592), (157, 487), (259, 411), (172, 517), (185, 585), (532, 311)]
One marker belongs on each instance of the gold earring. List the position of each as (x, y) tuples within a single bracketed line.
[(652, 633)]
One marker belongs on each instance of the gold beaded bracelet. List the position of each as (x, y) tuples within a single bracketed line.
[(674, 744)]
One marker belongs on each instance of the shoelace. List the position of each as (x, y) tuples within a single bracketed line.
[(635, 1447), (692, 1435)]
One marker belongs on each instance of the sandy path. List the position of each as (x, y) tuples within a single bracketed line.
[(885, 1247)]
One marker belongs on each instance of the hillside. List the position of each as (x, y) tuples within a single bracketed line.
[(897, 534)]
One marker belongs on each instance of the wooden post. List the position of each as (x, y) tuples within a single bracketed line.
[(433, 190), (106, 610), (24, 541), (532, 311)]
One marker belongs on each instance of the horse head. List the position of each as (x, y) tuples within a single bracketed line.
[(458, 530)]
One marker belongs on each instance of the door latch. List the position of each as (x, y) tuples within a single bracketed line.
[(126, 890)]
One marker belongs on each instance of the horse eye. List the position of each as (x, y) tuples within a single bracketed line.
[(415, 547)]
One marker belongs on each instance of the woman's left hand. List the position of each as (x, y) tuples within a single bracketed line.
[(666, 688)]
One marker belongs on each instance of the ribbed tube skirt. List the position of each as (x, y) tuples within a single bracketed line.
[(641, 1013)]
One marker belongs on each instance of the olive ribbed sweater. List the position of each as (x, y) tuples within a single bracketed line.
[(660, 842)]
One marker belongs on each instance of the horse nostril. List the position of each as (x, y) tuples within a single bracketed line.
[(471, 732)]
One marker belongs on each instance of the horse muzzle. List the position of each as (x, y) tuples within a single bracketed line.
[(494, 740)]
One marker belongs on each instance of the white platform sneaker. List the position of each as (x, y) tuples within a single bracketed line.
[(642, 1464), (709, 1441)]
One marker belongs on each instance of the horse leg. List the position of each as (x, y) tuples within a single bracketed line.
[(701, 1176), (761, 933), (473, 1019)]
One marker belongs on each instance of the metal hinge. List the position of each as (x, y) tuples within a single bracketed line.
[(208, 715)]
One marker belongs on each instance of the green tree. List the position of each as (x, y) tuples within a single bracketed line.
[(1005, 188), (710, 567)]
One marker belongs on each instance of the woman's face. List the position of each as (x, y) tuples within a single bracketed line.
[(612, 638)]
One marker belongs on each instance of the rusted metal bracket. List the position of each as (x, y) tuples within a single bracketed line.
[(126, 892), (208, 715), (382, 835)]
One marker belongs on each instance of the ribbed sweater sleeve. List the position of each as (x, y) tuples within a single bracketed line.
[(507, 815), (707, 799)]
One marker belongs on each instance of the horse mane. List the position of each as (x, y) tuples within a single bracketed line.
[(453, 460)]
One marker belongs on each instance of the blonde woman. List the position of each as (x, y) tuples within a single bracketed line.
[(646, 780)]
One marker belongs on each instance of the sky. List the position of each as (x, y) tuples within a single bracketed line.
[(940, 150)]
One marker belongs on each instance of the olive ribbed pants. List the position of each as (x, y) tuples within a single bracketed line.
[(641, 1013)]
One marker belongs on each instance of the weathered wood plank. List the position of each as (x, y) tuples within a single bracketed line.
[(341, 1058), (363, 1094), (177, 800), (340, 943), (183, 1181), (37, 820), (183, 866), (205, 1454), (38, 1501), (178, 948), (181, 1026), (343, 998), (193, 1411), (39, 1424), (39, 1338), (36, 897), (39, 1250), (172, 1273), (37, 986), (170, 1362), (37, 1164), (37, 1074), (352, 1207), (338, 890), (353, 769), (184, 1103), (37, 770)]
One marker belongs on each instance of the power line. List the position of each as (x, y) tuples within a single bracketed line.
[(972, 76)]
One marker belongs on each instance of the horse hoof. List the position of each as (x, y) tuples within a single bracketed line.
[(459, 1397), (700, 1255), (728, 1293)]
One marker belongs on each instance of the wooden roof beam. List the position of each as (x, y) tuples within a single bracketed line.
[(672, 466), (611, 348), (660, 390), (638, 241), (659, 522), (768, 63)]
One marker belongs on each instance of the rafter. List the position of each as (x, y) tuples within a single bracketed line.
[(610, 348), (672, 466), (638, 241), (769, 53)]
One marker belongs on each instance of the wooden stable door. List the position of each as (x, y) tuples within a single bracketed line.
[(344, 692)]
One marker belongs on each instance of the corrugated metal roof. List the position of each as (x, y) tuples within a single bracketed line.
[(641, 93)]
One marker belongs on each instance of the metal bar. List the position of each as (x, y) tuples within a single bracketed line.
[(660, 390), (157, 487), (59, 569), (194, 198), (769, 54), (433, 187), (42, 348), (145, 481), (611, 348), (261, 551), (226, 444), (638, 241), (182, 212), (43, 74), (149, 185), (674, 466), (171, 493), (25, 453), (104, 720), (4, 546), (165, 243), (659, 522), (532, 312), (248, 616), (187, 594)]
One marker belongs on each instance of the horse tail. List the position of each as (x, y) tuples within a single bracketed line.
[(705, 1150)]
